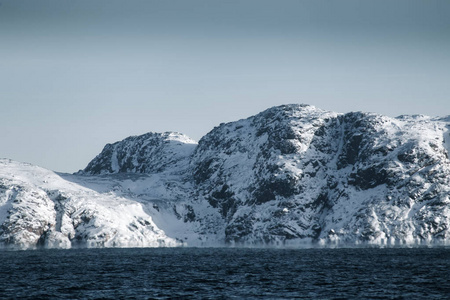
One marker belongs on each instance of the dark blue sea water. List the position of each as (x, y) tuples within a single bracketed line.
[(226, 273)]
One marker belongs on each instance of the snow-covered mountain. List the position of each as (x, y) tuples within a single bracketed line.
[(296, 172), (147, 153), (291, 175)]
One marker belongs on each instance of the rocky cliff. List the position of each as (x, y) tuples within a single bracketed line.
[(147, 153), (296, 172)]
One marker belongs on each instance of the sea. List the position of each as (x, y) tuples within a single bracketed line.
[(226, 273)]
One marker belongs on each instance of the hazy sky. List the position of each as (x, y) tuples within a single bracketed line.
[(75, 75)]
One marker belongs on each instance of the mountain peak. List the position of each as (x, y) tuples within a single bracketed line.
[(148, 153)]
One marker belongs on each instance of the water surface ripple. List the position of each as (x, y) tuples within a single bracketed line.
[(226, 273)]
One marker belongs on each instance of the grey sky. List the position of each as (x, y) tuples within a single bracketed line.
[(75, 75)]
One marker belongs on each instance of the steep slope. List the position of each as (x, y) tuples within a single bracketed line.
[(253, 171), (147, 153), (299, 173), (392, 182)]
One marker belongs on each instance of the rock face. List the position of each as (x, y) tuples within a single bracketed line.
[(260, 173), (293, 174), (299, 173), (147, 153)]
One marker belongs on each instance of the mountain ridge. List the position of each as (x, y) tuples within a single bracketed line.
[(133, 154), (290, 175)]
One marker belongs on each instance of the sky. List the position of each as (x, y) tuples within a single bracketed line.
[(77, 74)]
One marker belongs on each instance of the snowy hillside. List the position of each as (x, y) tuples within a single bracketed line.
[(291, 175), (40, 208)]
